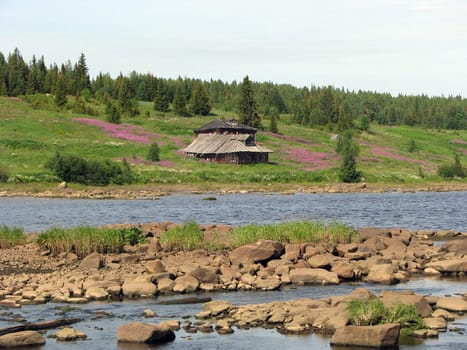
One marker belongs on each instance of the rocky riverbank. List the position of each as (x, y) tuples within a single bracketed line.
[(387, 256), (63, 190)]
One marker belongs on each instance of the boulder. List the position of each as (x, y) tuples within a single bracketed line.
[(321, 260), (268, 283), (452, 304), (154, 267), (138, 287), (165, 285), (313, 276), (69, 334), (437, 323), (204, 275), (144, 333), (21, 339), (259, 252), (217, 307), (453, 265), (96, 293), (382, 273), (371, 232), (185, 284), (455, 246), (344, 270), (93, 261), (380, 336)]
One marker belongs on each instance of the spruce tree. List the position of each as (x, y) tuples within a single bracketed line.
[(199, 101), (273, 126), (60, 92), (247, 105), (81, 75), (179, 101), (161, 97), (348, 151)]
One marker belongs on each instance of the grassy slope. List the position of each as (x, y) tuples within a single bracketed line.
[(28, 137)]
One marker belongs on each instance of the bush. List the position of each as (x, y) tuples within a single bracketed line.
[(4, 175), (373, 311), (455, 169), (73, 168), (153, 153), (412, 146)]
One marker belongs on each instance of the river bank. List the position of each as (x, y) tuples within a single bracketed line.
[(154, 191), (31, 276)]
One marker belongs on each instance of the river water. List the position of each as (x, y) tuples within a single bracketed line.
[(412, 210), (423, 210)]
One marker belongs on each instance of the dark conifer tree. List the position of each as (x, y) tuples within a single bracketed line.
[(179, 101), (60, 92), (247, 109), (199, 101), (161, 97)]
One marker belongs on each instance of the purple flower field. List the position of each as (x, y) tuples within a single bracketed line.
[(317, 160), (126, 132), (389, 152)]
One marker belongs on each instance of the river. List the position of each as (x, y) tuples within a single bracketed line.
[(421, 210), (428, 211)]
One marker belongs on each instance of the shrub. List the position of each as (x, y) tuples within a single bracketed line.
[(4, 175), (412, 146), (373, 311), (153, 153), (10, 237), (72, 168), (452, 170)]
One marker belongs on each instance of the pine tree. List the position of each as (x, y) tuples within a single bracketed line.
[(81, 75), (328, 105), (161, 98), (179, 101), (348, 151), (60, 92), (247, 105), (199, 101), (273, 126)]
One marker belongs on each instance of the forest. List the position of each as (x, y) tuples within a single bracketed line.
[(327, 107)]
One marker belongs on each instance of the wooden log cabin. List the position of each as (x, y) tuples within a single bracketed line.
[(227, 141)]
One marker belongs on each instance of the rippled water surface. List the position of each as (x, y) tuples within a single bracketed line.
[(424, 210), (102, 331), (444, 210)]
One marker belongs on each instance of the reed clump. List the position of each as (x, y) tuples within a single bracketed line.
[(374, 311), (11, 236), (84, 240), (295, 232)]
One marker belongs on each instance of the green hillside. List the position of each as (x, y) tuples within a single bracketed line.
[(302, 155)]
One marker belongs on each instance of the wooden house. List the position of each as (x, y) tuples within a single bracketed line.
[(227, 141)]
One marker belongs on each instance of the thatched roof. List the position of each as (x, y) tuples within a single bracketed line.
[(223, 144), (230, 126)]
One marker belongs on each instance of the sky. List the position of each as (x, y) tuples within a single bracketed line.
[(395, 46)]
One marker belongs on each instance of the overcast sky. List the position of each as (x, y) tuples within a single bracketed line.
[(396, 46)]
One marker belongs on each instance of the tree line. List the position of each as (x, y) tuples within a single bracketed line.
[(335, 108)]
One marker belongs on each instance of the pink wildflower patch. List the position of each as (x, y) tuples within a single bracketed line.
[(460, 142), (389, 152), (167, 163), (126, 132), (178, 141), (293, 139), (317, 160)]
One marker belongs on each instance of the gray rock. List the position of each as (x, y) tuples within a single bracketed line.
[(19, 339), (380, 336), (144, 333), (313, 276)]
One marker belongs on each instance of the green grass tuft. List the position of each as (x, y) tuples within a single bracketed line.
[(84, 240), (184, 237), (11, 236)]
